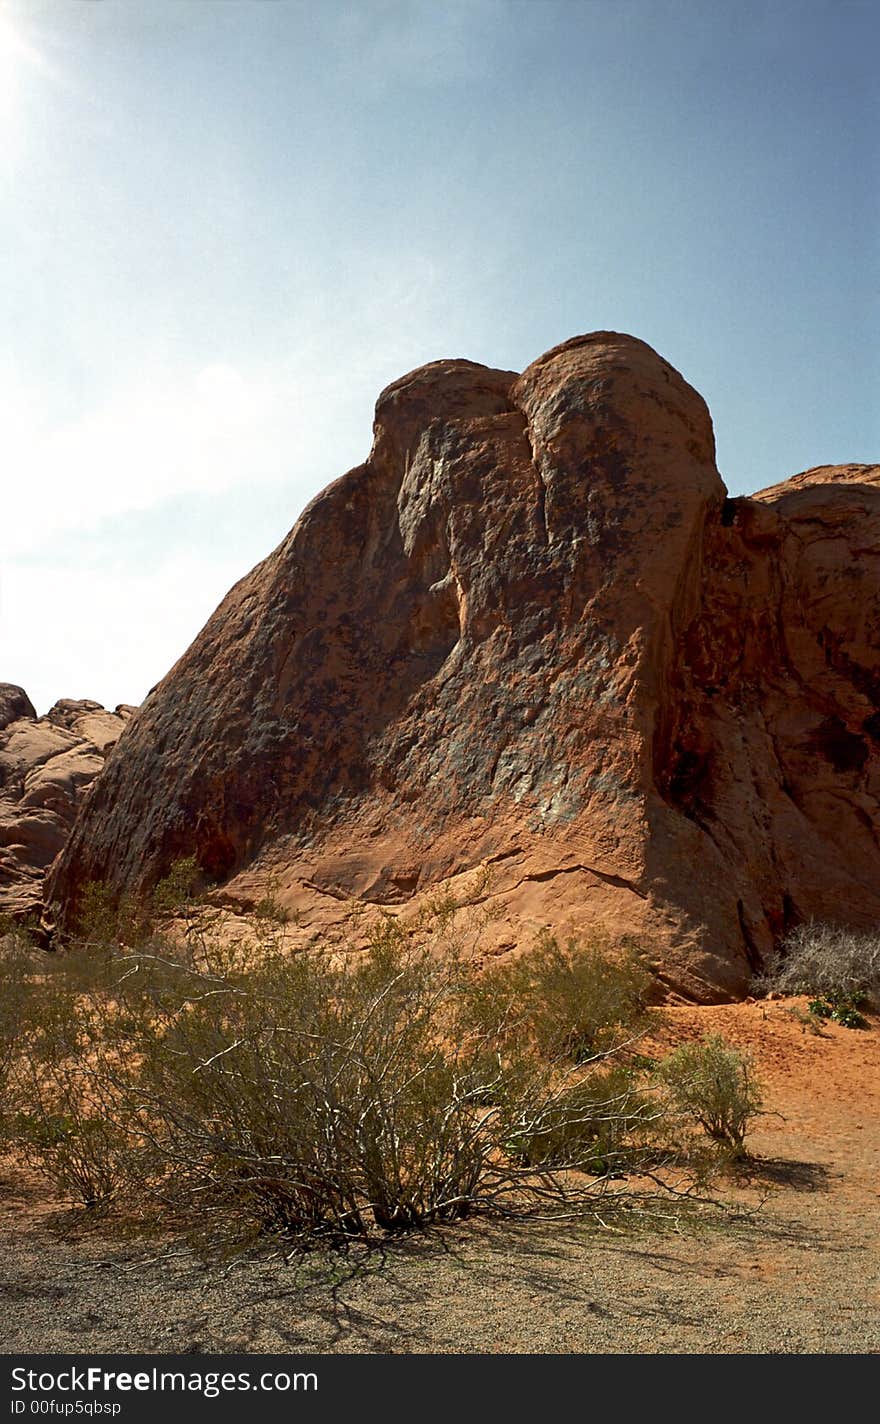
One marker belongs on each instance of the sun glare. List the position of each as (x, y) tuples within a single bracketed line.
[(16, 55), (14, 49)]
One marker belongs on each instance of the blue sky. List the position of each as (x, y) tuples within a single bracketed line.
[(226, 224)]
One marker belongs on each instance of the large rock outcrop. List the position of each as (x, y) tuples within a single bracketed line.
[(47, 765), (532, 633)]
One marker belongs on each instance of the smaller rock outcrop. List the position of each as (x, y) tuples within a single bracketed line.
[(47, 765)]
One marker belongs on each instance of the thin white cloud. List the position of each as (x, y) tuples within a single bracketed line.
[(222, 425), (165, 438)]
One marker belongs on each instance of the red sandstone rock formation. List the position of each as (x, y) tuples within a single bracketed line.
[(47, 765), (532, 633)]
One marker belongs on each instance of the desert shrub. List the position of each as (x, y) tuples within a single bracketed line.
[(841, 1008), (102, 919), (836, 965), (589, 1122), (571, 1000), (715, 1085), (178, 891), (77, 1151), (243, 1092), (66, 1115), (321, 1097), (15, 991)]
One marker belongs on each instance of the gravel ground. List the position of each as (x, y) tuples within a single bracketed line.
[(800, 1276)]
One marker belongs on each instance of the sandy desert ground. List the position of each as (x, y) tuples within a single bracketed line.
[(800, 1276)]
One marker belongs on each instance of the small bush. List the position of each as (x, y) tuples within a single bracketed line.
[(842, 1009), (268, 909), (178, 891), (713, 1084), (570, 1001), (837, 965), (102, 919), (78, 1152), (65, 1110)]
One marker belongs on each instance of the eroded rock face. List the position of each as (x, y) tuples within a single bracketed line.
[(532, 633), (47, 765)]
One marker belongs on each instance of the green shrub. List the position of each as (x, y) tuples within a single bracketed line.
[(78, 1152), (178, 891), (713, 1084), (570, 1001), (587, 1123), (15, 992), (320, 1097), (843, 1009), (67, 1116), (103, 919)]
